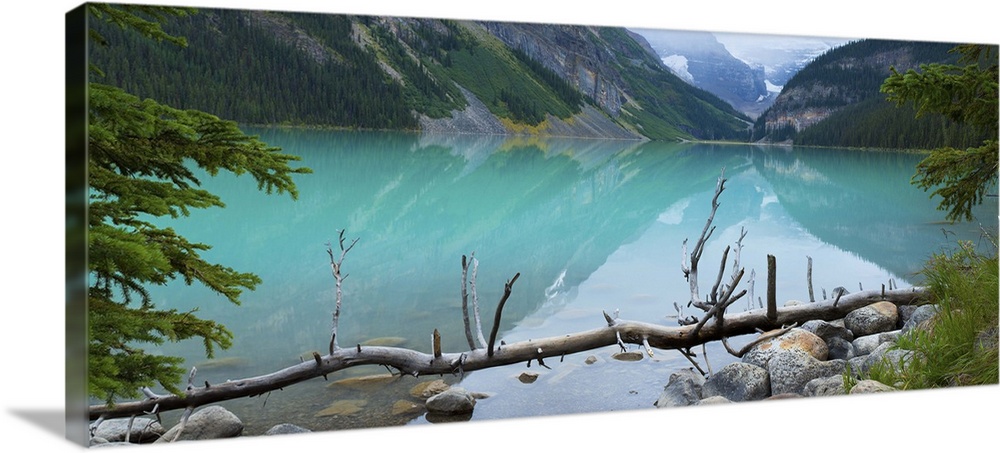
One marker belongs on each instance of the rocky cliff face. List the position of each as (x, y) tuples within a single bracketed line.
[(570, 51)]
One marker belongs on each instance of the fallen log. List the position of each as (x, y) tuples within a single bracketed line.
[(416, 363)]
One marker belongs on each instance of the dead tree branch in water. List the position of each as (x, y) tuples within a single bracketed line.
[(713, 326), (335, 265), (416, 363)]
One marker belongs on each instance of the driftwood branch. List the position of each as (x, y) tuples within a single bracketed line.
[(417, 363), (809, 278), (475, 301), (496, 318), (465, 303), (335, 265)]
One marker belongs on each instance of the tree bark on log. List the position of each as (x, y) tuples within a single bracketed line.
[(418, 363)]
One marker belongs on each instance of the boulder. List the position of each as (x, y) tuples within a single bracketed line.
[(919, 316), (455, 400), (870, 386), (871, 319), (210, 422), (790, 371), (713, 400), (683, 389), (738, 382), (827, 330), (825, 386), (888, 355), (797, 340), (144, 430), (840, 349), (527, 377)]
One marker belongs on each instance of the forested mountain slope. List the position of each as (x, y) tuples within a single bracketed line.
[(836, 101), (263, 67)]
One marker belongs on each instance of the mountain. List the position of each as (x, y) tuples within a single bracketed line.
[(701, 60), (836, 101), (264, 67), (781, 56)]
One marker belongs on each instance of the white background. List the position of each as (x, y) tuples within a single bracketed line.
[(33, 297)]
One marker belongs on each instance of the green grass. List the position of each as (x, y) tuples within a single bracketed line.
[(964, 285)]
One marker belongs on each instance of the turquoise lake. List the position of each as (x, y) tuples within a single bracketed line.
[(590, 225)]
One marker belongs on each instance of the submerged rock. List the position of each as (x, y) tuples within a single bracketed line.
[(402, 407), (428, 389), (343, 407), (366, 383), (385, 341), (629, 356), (286, 428)]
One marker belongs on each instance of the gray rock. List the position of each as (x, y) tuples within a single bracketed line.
[(840, 348), (825, 386), (683, 389), (791, 371), (866, 344), (888, 355), (875, 318), (797, 339), (986, 340), (527, 377), (286, 428), (870, 386), (713, 400), (144, 430), (628, 356), (455, 400), (738, 382), (784, 396), (919, 316), (905, 313), (826, 330), (211, 422)]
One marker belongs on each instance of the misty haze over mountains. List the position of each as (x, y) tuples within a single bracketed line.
[(746, 70)]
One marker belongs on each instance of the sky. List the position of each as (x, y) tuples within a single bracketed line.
[(33, 336)]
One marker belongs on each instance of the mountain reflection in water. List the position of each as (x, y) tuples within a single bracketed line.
[(590, 225)]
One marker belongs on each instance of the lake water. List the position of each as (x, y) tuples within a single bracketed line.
[(590, 225)]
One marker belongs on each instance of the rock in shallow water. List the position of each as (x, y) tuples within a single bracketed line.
[(211, 422), (455, 400), (528, 377)]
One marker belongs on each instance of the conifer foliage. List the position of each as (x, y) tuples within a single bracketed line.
[(965, 93), (142, 158)]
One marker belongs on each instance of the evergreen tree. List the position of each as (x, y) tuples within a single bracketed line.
[(140, 156), (965, 94)]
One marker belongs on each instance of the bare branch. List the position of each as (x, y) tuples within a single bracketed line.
[(465, 304), (335, 265), (772, 302), (496, 318), (809, 278), (475, 301)]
